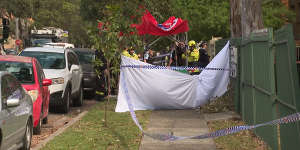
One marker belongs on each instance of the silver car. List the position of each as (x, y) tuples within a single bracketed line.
[(15, 114)]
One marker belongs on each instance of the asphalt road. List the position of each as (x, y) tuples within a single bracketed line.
[(58, 120)]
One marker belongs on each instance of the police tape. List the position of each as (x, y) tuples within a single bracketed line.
[(171, 67), (223, 132)]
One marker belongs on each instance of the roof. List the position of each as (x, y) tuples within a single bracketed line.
[(45, 49), (15, 58), (82, 50)]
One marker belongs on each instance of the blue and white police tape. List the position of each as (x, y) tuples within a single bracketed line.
[(223, 132), (171, 67)]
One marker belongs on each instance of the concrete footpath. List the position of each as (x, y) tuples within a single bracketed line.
[(181, 123)]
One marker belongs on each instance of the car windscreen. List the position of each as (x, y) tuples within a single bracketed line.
[(85, 57), (48, 60), (40, 42), (22, 71)]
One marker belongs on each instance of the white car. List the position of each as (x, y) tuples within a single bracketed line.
[(62, 66), (59, 45)]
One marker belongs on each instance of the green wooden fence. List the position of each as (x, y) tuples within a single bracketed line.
[(267, 85)]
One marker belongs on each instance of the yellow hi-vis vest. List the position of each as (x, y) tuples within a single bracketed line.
[(125, 53), (134, 56), (192, 56)]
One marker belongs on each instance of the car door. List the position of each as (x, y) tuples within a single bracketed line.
[(77, 72), (71, 72), (42, 89), (14, 119), (74, 72)]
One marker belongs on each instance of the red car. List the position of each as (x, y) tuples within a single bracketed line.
[(30, 74)]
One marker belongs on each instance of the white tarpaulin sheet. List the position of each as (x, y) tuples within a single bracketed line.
[(150, 89)]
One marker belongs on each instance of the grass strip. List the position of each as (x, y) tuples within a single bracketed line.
[(90, 133), (245, 140)]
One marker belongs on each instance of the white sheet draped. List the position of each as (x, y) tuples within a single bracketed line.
[(150, 89)]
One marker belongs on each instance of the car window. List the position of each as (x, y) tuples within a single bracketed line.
[(40, 42), (22, 71), (39, 73), (12, 89), (48, 60), (4, 90), (41, 70), (76, 61), (70, 60), (85, 57)]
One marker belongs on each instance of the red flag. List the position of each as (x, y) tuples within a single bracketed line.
[(171, 26)]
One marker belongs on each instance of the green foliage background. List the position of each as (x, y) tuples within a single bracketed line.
[(206, 18)]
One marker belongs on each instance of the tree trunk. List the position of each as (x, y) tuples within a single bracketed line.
[(246, 16), (235, 18), (107, 74)]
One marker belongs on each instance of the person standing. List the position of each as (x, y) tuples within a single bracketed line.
[(132, 53), (203, 55), (192, 54), (148, 56), (125, 52)]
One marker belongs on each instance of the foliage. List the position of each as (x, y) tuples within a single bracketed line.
[(64, 14), (206, 18), (275, 14), (90, 133)]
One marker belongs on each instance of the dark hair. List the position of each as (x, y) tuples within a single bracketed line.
[(203, 43)]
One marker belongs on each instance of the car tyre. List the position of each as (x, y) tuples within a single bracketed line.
[(28, 136), (79, 100), (37, 130), (66, 104)]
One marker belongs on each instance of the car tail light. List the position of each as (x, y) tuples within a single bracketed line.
[(33, 94)]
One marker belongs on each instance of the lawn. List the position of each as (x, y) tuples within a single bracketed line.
[(90, 132)]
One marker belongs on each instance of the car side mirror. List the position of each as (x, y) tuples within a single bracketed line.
[(12, 102), (47, 82), (74, 67)]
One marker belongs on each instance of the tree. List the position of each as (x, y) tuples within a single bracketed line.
[(249, 15)]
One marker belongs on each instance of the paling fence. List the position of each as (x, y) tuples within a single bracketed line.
[(266, 83)]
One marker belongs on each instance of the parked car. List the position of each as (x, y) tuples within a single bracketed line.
[(29, 72), (15, 115), (91, 81), (62, 67)]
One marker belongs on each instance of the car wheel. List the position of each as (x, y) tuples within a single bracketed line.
[(27, 136), (66, 104), (38, 128), (79, 100)]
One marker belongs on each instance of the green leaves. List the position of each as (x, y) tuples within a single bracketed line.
[(275, 14)]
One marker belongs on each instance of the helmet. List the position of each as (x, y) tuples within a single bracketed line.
[(192, 43)]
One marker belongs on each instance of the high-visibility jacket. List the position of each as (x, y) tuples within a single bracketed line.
[(192, 56), (125, 53), (134, 56)]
